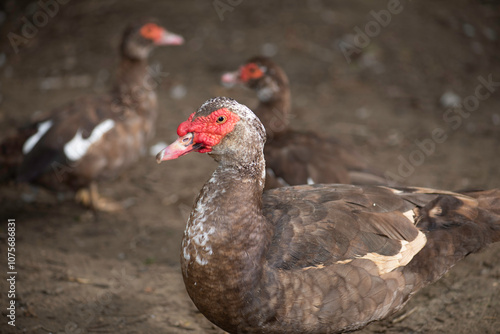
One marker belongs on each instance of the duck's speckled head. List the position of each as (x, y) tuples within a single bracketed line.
[(221, 127)]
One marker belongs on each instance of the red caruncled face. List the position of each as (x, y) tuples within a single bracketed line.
[(209, 130), (250, 71), (200, 134), (152, 31)]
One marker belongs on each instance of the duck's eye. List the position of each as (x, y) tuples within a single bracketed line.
[(221, 120)]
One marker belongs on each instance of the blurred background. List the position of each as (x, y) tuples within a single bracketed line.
[(381, 75)]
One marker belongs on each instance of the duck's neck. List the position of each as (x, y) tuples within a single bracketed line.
[(274, 111), (135, 85), (225, 241)]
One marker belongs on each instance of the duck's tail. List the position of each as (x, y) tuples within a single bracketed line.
[(456, 225)]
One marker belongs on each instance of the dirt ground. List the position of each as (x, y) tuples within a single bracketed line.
[(119, 273)]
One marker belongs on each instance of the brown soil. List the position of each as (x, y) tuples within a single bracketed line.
[(119, 273)]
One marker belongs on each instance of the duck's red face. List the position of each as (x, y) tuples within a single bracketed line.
[(159, 35), (251, 71), (200, 134), (246, 73)]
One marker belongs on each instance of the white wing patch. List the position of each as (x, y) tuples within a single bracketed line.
[(77, 147), (408, 250), (386, 264), (410, 215), (310, 181), (31, 142)]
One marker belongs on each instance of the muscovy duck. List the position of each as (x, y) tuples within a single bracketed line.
[(296, 157), (311, 258), (93, 137)]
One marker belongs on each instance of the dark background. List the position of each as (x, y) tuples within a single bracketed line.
[(81, 273)]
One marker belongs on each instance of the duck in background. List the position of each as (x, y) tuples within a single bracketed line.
[(296, 157), (311, 258), (94, 137)]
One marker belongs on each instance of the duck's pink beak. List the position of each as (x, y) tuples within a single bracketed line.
[(229, 79), (169, 38), (183, 145)]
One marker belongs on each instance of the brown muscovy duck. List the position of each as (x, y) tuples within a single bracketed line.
[(311, 258), (294, 157), (93, 137)]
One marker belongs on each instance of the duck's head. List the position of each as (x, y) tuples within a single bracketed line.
[(262, 75), (222, 127), (139, 39)]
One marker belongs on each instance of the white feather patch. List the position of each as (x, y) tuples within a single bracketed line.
[(408, 250), (410, 215), (78, 146), (310, 181), (31, 142), (197, 232)]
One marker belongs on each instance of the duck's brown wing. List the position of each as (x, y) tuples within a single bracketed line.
[(295, 158), (421, 231), (322, 224), (325, 224)]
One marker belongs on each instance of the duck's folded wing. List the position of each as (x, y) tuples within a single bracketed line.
[(65, 135), (325, 224)]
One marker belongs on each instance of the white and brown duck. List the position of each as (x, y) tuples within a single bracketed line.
[(93, 137), (295, 157), (311, 258)]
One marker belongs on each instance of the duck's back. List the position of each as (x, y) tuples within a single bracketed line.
[(295, 158)]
